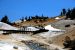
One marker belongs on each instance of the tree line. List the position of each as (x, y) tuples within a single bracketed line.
[(70, 13), (34, 17), (5, 19)]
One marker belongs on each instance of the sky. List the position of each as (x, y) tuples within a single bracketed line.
[(15, 9)]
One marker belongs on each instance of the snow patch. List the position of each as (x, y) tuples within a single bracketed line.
[(32, 28), (57, 18), (49, 27), (7, 27), (52, 32)]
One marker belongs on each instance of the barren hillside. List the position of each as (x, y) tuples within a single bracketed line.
[(60, 39)]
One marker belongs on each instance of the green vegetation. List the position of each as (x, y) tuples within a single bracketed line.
[(70, 13), (6, 20)]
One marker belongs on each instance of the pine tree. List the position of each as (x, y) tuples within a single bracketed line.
[(5, 19), (26, 18), (61, 14), (73, 13), (64, 12), (68, 14), (29, 18)]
